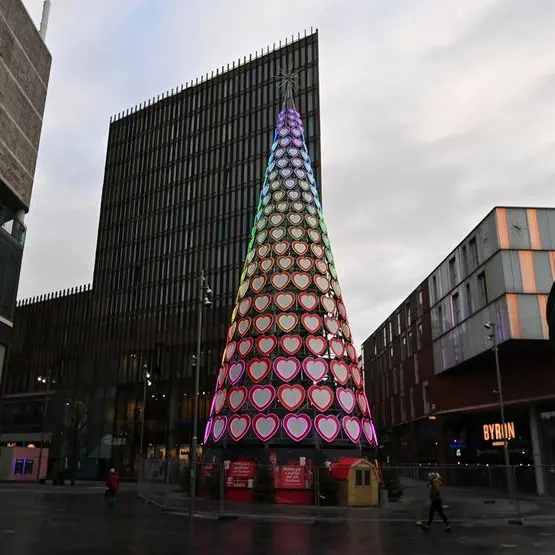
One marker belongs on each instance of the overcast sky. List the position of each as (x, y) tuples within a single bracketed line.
[(432, 111)]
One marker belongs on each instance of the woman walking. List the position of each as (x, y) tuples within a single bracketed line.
[(435, 483)]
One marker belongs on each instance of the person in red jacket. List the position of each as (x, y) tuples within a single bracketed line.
[(112, 486)]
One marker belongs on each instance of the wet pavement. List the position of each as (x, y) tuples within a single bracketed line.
[(44, 522)]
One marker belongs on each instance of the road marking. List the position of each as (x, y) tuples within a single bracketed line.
[(8, 532), (509, 545)]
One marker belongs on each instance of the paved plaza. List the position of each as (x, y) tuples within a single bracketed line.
[(46, 521)]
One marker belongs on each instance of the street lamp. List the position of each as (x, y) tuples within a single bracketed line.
[(47, 381), (204, 301), (492, 336), (146, 383)]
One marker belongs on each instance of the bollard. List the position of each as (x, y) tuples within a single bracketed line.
[(384, 498)]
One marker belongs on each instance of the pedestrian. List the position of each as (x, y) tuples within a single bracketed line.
[(112, 486), (435, 483)]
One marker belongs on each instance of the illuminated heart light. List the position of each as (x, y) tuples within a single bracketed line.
[(230, 350), (266, 265), (281, 247), (346, 330), (346, 398), (244, 306), (262, 396), (340, 371), (297, 426), (287, 321), (258, 369), (231, 331), (315, 368), (321, 397), (291, 343), (263, 251), (300, 247), (332, 324), (301, 281), (369, 431), (362, 403), (235, 371), (222, 375), (285, 262), (266, 344), (352, 427), (243, 326), (238, 426), (351, 351), (236, 398), (327, 426), (284, 301), (219, 400), (322, 267), (219, 426), (311, 322), (280, 281), (341, 309), (207, 430), (261, 237), (261, 302), (263, 322), (282, 206), (291, 396), (277, 233), (308, 301), (335, 287), (336, 345), (258, 283), (294, 218), (251, 268), (317, 250), (265, 426), (245, 345), (316, 344), (276, 219), (243, 288), (296, 233), (356, 375), (311, 220), (322, 283), (304, 263), (329, 304), (286, 368)]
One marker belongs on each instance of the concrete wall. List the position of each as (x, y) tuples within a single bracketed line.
[(24, 73)]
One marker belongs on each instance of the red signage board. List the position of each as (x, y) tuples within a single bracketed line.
[(239, 473), (291, 477)]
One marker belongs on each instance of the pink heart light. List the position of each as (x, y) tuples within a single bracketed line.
[(207, 430), (286, 368), (346, 398), (352, 427), (219, 426), (265, 426), (315, 368), (262, 396), (291, 396), (238, 426), (321, 397), (297, 426), (235, 371), (236, 398), (369, 432), (327, 426)]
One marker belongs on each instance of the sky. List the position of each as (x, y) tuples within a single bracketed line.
[(432, 113)]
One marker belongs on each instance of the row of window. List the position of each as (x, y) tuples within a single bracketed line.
[(393, 411)]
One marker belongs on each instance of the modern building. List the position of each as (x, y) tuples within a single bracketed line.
[(24, 73), (181, 187), (430, 367)]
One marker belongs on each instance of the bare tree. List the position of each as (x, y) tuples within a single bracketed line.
[(73, 431)]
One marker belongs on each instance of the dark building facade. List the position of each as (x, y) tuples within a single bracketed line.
[(181, 187), (24, 73), (430, 370)]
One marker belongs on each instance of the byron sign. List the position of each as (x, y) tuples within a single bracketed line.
[(499, 432)]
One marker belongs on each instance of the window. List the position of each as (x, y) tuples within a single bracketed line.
[(434, 288), (419, 332), (408, 315), (482, 290), (468, 300), (366, 476), (401, 378), (420, 298), (358, 478), (416, 370), (440, 318), (398, 323), (390, 329), (473, 246), (464, 262), (425, 399), (409, 344), (411, 400), (453, 271), (384, 332), (394, 377), (455, 300), (403, 347)]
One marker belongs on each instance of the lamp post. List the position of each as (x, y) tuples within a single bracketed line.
[(491, 326), (204, 301), (146, 383), (44, 380)]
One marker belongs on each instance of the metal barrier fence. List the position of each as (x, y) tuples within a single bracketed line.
[(471, 493)]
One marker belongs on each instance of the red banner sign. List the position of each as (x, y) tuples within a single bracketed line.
[(292, 477), (239, 473)]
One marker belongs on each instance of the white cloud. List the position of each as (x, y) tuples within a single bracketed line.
[(432, 112)]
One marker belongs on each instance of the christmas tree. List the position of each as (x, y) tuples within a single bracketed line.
[(290, 373)]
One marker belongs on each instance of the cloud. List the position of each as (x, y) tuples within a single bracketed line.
[(432, 113)]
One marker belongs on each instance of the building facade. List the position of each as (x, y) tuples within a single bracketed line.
[(24, 73), (430, 369), (181, 187)]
